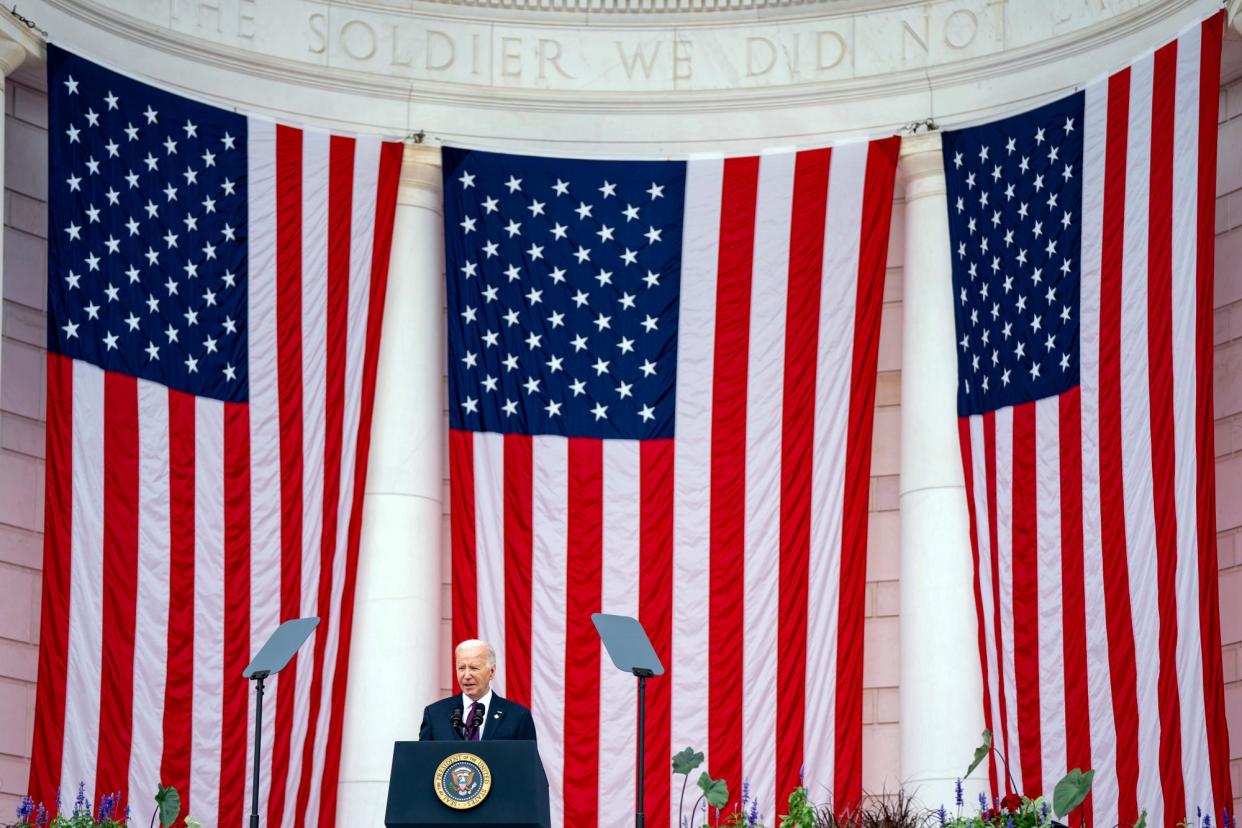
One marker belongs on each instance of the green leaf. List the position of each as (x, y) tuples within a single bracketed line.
[(981, 752), (715, 791), (1071, 791), (191, 822), (169, 802), (1142, 821), (686, 760)]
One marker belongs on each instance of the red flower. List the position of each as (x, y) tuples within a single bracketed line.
[(1011, 802)]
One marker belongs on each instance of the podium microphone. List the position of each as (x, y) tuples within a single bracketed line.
[(476, 719), (455, 721)]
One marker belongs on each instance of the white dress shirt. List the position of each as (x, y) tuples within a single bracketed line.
[(466, 701)]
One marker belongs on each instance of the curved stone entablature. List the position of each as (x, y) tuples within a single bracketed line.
[(474, 71)]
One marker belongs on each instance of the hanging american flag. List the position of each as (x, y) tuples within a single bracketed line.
[(661, 382), (1082, 245), (215, 289)]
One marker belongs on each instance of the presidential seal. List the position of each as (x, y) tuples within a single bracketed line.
[(463, 781)]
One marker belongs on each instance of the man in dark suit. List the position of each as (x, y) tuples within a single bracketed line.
[(478, 713)]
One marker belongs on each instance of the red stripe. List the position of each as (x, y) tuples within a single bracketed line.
[(49, 723), (120, 573), (585, 516), (178, 686), (1160, 398), (876, 216), (968, 471), (385, 210), (236, 610), (989, 462), (339, 229), (728, 469), (289, 382), (1112, 506), (461, 515), (655, 611), (1025, 591), (517, 506), (1209, 617), (1073, 595), (806, 260)]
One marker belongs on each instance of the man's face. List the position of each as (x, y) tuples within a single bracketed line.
[(473, 673)]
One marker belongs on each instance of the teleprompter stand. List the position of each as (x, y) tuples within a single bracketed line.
[(631, 652), (275, 654)]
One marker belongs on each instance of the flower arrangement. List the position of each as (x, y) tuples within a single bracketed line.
[(109, 814)]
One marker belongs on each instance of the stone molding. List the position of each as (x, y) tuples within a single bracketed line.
[(921, 165), (420, 184)]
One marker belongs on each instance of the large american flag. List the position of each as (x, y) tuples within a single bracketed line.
[(1082, 245), (215, 289), (661, 383)]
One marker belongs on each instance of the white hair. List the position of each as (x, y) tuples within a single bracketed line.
[(474, 642)]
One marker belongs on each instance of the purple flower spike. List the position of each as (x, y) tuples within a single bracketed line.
[(943, 816), (983, 801), (24, 809), (802, 774), (1207, 821), (1227, 819), (1009, 821), (753, 816), (958, 793), (745, 792), (41, 816)]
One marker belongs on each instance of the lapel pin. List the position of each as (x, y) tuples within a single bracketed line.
[(495, 715)]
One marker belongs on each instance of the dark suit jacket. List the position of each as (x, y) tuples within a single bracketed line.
[(505, 720)]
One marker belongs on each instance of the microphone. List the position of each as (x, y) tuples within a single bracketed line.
[(476, 720), (455, 720)]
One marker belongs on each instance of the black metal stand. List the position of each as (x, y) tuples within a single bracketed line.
[(258, 745), (640, 818)]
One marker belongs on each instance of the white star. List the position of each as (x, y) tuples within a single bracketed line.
[(131, 132), (209, 158), (191, 129), (604, 233), (510, 407), (583, 210), (468, 223), (1050, 342), (630, 212), (1065, 313), (536, 208), (469, 314), (471, 359), (209, 205), (513, 273), (602, 322), (489, 383), (624, 389), (113, 196), (75, 184), (652, 279), (1039, 135), (579, 342), (170, 193), (71, 85), (92, 214), (511, 317), (600, 411), (191, 365), (583, 255), (229, 278), (229, 232), (647, 413), (227, 185), (627, 300), (559, 230), (471, 405), (489, 293), (229, 324), (113, 148), (531, 385), (604, 277), (513, 228), (228, 141), (110, 341), (71, 330), (152, 162), (578, 387), (92, 310), (514, 184), (490, 205), (170, 146), (561, 187), (1034, 370), (491, 249), (626, 345), (153, 304), (1020, 351), (1064, 361), (171, 287), (113, 245), (210, 344), (470, 269), (170, 239), (152, 115), (629, 256), (600, 366), (92, 262), (554, 364), (1069, 125), (656, 191), (209, 298), (92, 166), (73, 133), (996, 173), (153, 256), (557, 275), (467, 180), (553, 408), (132, 321), (1068, 172), (534, 296), (533, 341), (132, 179), (230, 373), (535, 251), (491, 339), (74, 231)]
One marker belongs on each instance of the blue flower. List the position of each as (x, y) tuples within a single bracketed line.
[(1207, 821), (753, 816), (1227, 819), (745, 792), (943, 816), (1044, 810), (24, 809), (958, 794), (1009, 821), (983, 801), (80, 805), (41, 816)]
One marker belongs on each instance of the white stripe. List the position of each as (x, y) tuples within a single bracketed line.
[(208, 714), (265, 523), (618, 723), (489, 521), (766, 373), (83, 666), (314, 334), (1136, 441), (833, 380), (1195, 760), (549, 530), (1099, 683), (1052, 706), (1004, 558), (983, 527), (362, 229), (692, 455), (151, 619)]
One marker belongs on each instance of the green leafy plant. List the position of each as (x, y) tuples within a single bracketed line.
[(714, 792), (167, 806), (802, 813), (1071, 791)]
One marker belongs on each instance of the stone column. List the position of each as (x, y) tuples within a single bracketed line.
[(941, 686), (13, 50), (395, 655)]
